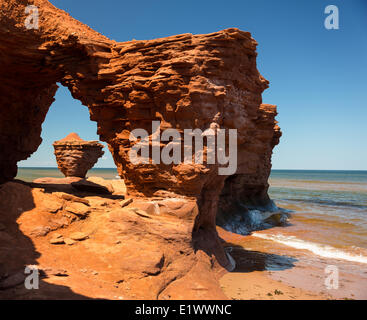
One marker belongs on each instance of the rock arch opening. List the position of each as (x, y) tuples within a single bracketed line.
[(185, 82), (65, 115)]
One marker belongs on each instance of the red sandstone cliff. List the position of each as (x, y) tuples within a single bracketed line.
[(185, 81)]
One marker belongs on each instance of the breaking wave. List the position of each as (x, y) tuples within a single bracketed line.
[(253, 220), (324, 251)]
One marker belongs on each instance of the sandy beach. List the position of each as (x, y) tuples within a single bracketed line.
[(270, 271)]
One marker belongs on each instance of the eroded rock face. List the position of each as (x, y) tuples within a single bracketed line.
[(184, 82), (140, 251), (76, 156)]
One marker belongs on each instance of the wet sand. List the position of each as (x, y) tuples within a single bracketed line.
[(259, 285), (270, 271)]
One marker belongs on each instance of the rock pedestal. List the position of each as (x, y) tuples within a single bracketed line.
[(183, 82), (76, 156)]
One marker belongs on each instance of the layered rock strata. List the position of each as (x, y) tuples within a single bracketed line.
[(184, 82), (76, 156)]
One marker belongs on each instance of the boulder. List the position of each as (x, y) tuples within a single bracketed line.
[(78, 236), (57, 239), (75, 156)]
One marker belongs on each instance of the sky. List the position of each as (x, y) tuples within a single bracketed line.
[(318, 77)]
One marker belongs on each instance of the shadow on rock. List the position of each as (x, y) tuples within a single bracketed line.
[(249, 261), (80, 188), (17, 250)]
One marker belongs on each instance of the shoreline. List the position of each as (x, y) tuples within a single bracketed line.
[(271, 271), (268, 269)]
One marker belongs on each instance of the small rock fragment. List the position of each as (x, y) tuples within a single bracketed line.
[(126, 202), (140, 212), (70, 197), (40, 231), (78, 236), (78, 209), (57, 239)]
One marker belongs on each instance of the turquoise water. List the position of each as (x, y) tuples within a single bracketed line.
[(328, 211), (334, 188)]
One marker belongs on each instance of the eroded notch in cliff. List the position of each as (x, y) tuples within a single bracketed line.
[(245, 206)]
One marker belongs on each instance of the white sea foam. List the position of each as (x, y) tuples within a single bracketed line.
[(324, 251)]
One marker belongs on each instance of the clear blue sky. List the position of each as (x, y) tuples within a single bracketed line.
[(318, 77)]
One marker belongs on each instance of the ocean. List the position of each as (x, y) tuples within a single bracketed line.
[(30, 174), (328, 209), (328, 212)]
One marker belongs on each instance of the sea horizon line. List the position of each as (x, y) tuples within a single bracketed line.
[(275, 169)]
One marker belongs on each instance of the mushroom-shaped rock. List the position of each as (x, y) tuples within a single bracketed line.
[(76, 156)]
